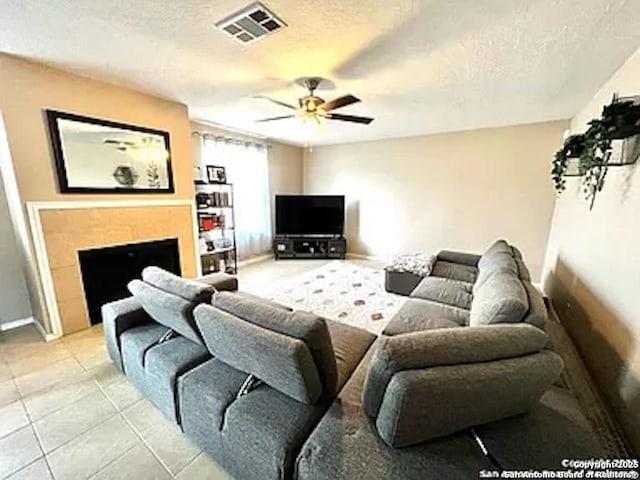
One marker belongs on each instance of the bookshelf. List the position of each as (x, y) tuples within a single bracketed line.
[(216, 227)]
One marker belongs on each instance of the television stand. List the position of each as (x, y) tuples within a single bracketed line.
[(309, 247)]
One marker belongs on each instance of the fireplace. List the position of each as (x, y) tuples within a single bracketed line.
[(107, 271)]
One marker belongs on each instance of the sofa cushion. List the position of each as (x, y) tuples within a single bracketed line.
[(498, 262), (452, 346), (537, 314), (282, 362), (190, 290), (401, 283), (523, 271), (454, 271), (254, 437), (444, 290), (305, 326), (220, 281), (499, 246), (164, 364), (350, 344), (418, 315), (463, 258), (134, 344), (262, 301), (424, 404), (169, 310), (500, 299), (517, 254)]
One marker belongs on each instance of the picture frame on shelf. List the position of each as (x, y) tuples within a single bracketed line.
[(216, 174)]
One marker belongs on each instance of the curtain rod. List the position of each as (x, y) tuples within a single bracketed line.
[(231, 138)]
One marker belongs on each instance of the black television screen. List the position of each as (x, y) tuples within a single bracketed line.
[(309, 214)]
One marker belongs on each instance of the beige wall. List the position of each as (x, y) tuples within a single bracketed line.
[(458, 191), (27, 89), (285, 163), (592, 268), (14, 297)]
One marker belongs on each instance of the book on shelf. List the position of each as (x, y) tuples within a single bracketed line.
[(214, 199)]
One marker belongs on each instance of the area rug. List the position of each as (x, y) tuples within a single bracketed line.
[(340, 291)]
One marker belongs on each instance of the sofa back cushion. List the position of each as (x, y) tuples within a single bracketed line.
[(523, 271), (443, 347), (190, 290), (537, 314), (499, 246), (500, 299), (289, 350), (497, 262), (517, 254), (170, 310)]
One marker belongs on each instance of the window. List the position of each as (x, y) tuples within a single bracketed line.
[(247, 169)]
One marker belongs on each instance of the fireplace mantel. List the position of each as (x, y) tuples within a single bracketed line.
[(60, 229)]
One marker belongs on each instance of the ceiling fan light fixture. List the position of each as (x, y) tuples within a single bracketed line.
[(314, 107)]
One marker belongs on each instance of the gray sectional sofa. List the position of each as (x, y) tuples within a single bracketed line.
[(272, 393)]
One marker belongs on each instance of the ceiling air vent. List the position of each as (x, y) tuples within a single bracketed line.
[(251, 23)]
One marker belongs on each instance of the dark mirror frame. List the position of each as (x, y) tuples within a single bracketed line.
[(56, 142)]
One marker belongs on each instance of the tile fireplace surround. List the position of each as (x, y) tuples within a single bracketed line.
[(61, 229)]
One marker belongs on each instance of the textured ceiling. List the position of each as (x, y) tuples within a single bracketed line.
[(419, 66)]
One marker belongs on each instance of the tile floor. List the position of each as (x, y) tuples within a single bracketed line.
[(67, 414)]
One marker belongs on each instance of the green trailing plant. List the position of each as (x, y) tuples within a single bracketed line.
[(572, 148), (594, 159), (592, 149)]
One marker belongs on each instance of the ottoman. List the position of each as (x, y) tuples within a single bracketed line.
[(406, 271)]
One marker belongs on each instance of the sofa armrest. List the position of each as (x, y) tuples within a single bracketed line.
[(446, 347), (220, 281), (117, 317), (423, 404), (463, 258)]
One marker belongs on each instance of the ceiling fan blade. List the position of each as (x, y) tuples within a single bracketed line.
[(339, 103), (349, 118), (277, 102), (275, 118)]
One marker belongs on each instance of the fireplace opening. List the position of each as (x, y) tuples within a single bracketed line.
[(107, 271)]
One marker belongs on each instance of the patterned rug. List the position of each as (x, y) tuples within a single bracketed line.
[(339, 291)]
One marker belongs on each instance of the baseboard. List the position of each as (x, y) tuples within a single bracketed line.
[(252, 260), (28, 321), (268, 256), (48, 337), (16, 324)]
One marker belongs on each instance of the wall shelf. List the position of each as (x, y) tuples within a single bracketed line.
[(217, 242)]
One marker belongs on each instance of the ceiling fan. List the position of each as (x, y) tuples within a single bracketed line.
[(315, 108)]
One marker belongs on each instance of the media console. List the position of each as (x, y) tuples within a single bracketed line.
[(309, 247)]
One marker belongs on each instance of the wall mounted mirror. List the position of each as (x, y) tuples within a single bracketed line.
[(100, 156)]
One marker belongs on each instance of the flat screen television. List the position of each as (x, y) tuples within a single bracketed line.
[(310, 215)]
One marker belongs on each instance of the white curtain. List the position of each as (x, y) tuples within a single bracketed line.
[(247, 169)]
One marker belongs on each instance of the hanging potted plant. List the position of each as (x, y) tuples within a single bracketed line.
[(620, 119), (572, 149)]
